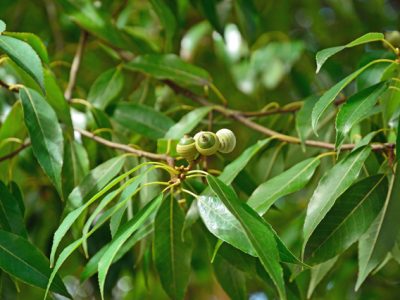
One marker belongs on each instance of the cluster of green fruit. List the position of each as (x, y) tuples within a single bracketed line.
[(206, 143)]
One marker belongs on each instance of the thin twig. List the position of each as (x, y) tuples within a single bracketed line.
[(126, 148), (238, 116), (15, 152), (75, 65)]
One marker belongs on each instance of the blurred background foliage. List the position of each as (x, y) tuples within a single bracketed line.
[(259, 53)]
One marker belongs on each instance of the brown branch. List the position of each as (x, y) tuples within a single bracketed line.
[(8, 87), (126, 148), (238, 116), (15, 152), (75, 65)]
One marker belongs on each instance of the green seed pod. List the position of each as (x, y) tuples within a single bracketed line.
[(227, 140), (187, 148), (207, 143)]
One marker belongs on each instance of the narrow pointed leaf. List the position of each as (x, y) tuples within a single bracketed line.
[(106, 88), (329, 96), (187, 123), (318, 273), (285, 183), (258, 233), (122, 236), (24, 261), (349, 218), (381, 236), (303, 119), (356, 108), (11, 216), (172, 254), (24, 56), (323, 55), (45, 133), (170, 66), (334, 183), (142, 119), (34, 41), (94, 181)]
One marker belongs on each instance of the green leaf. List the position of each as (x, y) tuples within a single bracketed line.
[(142, 119), (85, 14), (106, 88), (167, 20), (323, 55), (381, 235), (232, 280), (318, 273), (223, 224), (95, 181), (210, 12), (234, 168), (257, 231), (171, 67), (24, 56), (303, 119), (45, 133), (11, 216), (2, 26), (76, 166), (172, 255), (17, 194), (122, 236), (336, 181), (398, 141), (187, 123), (34, 41), (288, 182), (21, 259), (55, 98), (356, 108), (91, 267), (329, 96), (349, 218), (12, 127)]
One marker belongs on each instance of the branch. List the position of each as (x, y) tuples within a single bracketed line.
[(15, 152), (126, 148), (75, 65), (240, 117)]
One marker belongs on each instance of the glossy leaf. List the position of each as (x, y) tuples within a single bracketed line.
[(334, 183), (106, 88), (122, 236), (187, 123), (285, 183), (11, 216), (45, 133), (356, 108), (94, 181), (351, 215), (381, 236), (24, 261), (24, 56), (323, 55), (143, 120), (34, 41), (257, 232), (172, 254), (329, 96), (170, 66)]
